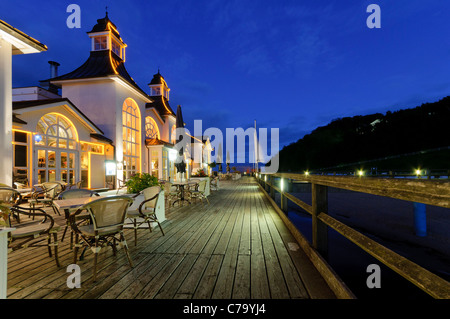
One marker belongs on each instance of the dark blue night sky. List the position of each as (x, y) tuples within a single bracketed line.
[(295, 65)]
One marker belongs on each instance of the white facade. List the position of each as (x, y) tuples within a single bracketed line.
[(12, 42)]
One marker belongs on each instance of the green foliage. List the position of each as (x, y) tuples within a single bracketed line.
[(139, 182), (212, 165)]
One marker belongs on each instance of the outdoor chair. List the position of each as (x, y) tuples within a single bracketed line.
[(108, 217), (75, 193), (146, 212), (27, 233), (49, 192), (122, 185), (214, 183), (200, 191), (170, 192)]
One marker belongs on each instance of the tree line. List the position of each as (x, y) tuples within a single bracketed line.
[(362, 138)]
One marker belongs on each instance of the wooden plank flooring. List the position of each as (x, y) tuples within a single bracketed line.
[(235, 247)]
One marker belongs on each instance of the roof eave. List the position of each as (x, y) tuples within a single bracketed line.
[(21, 42)]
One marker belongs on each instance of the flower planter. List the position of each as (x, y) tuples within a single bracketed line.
[(208, 182)]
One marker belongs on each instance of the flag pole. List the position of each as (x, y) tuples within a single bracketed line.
[(257, 150)]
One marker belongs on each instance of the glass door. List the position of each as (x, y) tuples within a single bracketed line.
[(55, 165), (67, 167)]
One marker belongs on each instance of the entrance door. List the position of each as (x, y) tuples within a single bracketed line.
[(55, 165)]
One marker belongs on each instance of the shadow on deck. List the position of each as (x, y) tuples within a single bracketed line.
[(235, 247)]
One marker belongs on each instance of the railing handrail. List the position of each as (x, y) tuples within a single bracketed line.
[(432, 192)]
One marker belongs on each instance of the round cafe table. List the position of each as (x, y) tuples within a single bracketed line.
[(181, 187)]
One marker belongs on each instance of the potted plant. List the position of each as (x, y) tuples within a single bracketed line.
[(139, 182)]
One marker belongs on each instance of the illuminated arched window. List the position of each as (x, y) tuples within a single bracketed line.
[(55, 130), (173, 137), (131, 128), (151, 128)]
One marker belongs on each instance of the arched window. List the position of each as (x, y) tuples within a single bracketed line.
[(173, 137), (55, 130), (131, 128), (151, 128)]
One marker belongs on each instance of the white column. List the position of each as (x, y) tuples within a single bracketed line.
[(4, 261), (6, 149)]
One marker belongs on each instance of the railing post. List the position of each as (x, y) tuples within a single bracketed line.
[(420, 219), (319, 229), (272, 183), (284, 187), (4, 261)]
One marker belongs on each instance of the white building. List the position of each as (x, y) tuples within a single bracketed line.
[(101, 117), (12, 42)]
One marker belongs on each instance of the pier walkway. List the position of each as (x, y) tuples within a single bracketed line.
[(235, 247)]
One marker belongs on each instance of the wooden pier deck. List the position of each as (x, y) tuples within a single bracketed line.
[(235, 247)]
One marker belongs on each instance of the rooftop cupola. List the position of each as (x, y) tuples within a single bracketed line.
[(158, 86), (104, 36)]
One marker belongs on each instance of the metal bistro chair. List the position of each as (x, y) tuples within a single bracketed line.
[(26, 233), (122, 185), (75, 193), (50, 191), (146, 212), (171, 192), (108, 217), (200, 191), (215, 183)]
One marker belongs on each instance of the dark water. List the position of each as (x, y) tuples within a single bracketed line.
[(350, 263)]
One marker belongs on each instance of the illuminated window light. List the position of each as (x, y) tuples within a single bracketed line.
[(281, 184), (172, 155)]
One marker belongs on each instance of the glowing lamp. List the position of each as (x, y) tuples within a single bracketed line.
[(38, 138), (306, 173), (281, 184), (360, 173), (418, 172), (172, 155)]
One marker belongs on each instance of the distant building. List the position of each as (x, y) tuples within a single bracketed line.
[(101, 128)]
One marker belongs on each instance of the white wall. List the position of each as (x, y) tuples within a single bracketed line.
[(32, 93), (5, 113), (97, 100)]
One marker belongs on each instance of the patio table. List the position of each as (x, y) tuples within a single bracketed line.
[(72, 204), (181, 187)]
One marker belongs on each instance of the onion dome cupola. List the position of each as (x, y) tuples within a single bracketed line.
[(158, 86), (159, 95), (104, 36), (106, 59)]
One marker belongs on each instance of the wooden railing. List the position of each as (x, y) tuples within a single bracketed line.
[(430, 192), (383, 173)]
